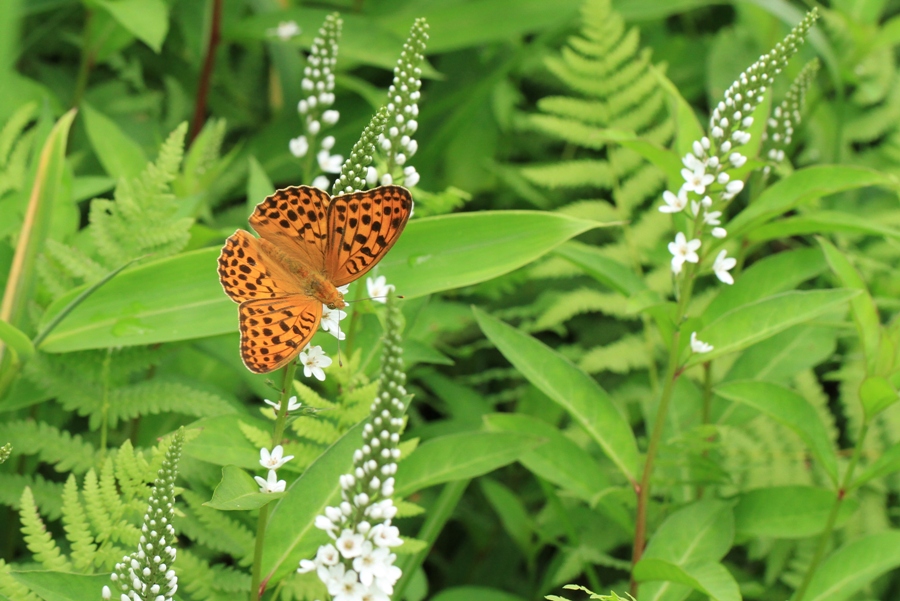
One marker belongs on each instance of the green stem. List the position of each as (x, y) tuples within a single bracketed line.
[(104, 420), (287, 386), (87, 61), (707, 408), (832, 516), (437, 517)]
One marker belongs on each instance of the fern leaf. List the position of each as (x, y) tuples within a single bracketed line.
[(257, 437), (132, 472), (216, 531), (47, 494), (622, 356), (65, 452), (204, 581), (584, 300), (592, 112), (78, 532), (573, 131), (316, 429), (163, 396), (571, 174), (73, 261), (13, 129), (37, 539), (311, 398), (95, 508), (12, 589)]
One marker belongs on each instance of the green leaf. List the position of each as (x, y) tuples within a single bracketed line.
[(258, 184), (474, 593), (708, 578), (179, 297), (460, 456), (781, 357), (746, 325), (888, 463), (608, 272), (558, 460), (776, 273), (865, 313), (787, 511), (16, 340), (63, 586), (819, 222), (120, 156), (512, 513), (688, 128), (148, 20), (570, 387), (854, 566), (290, 535), (221, 442), (238, 491), (786, 406), (698, 533), (876, 393), (803, 186)]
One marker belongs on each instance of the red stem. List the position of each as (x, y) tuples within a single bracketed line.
[(206, 73)]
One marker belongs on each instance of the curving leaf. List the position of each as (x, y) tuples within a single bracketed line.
[(787, 511), (854, 566), (238, 491), (63, 586)]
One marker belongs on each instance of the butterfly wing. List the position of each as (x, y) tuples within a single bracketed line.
[(295, 220), (274, 331), (363, 226), (249, 269)]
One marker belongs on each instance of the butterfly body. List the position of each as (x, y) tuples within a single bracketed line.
[(309, 245)]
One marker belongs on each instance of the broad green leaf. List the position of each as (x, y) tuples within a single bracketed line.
[(221, 442), (559, 460), (820, 222), (238, 491), (570, 387), (789, 408), (698, 533), (746, 325), (63, 586), (708, 578), (120, 156), (803, 186), (512, 513), (148, 20), (474, 593), (854, 566), (177, 298), (787, 511), (776, 273), (887, 463), (688, 128), (16, 340), (460, 456), (608, 272), (876, 393), (290, 534), (779, 358), (865, 313), (258, 184)]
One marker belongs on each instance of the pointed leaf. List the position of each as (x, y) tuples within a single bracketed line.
[(120, 155), (708, 578), (238, 491), (854, 566), (63, 586), (787, 511)]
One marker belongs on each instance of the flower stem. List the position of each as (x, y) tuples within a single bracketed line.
[(206, 73), (287, 386), (832, 516)]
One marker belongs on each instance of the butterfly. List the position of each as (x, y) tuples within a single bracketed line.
[(310, 244)]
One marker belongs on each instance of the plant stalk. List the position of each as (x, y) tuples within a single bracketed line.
[(206, 72), (822, 544)]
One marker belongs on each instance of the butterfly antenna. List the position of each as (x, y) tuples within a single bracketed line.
[(383, 297)]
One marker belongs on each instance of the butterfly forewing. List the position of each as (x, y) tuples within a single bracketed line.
[(274, 331), (247, 272), (362, 227), (295, 220)]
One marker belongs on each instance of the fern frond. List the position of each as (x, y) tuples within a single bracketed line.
[(73, 261), (13, 129), (210, 582), (117, 507), (96, 509), (78, 531), (132, 472), (65, 452), (592, 112), (161, 396), (355, 404), (257, 437), (567, 305), (11, 588), (46, 494), (622, 356), (316, 429), (310, 397), (216, 531), (579, 173), (37, 539), (303, 587)]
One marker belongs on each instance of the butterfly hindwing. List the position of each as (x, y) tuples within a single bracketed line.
[(295, 220), (274, 331), (363, 226), (248, 272)]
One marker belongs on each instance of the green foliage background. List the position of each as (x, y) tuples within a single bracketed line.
[(536, 279)]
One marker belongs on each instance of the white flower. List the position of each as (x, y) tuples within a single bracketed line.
[(285, 30), (734, 187), (323, 523), (374, 593), (306, 566), (314, 360), (737, 159), (321, 182), (350, 543), (330, 117), (674, 204), (327, 555), (293, 404), (371, 563), (385, 535), (682, 251), (329, 163), (386, 179), (721, 266), (348, 588), (698, 346), (106, 593), (719, 232), (712, 217), (693, 163), (371, 176), (273, 460), (299, 146), (387, 582), (313, 126), (696, 180), (410, 176), (723, 177), (331, 321), (328, 142), (271, 483), (379, 288)]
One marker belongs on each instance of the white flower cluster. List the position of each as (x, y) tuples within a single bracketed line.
[(396, 141), (706, 169), (285, 30), (272, 461), (358, 564), (318, 83), (787, 115), (147, 574)]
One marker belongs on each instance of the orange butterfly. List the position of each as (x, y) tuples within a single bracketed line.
[(310, 244)]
